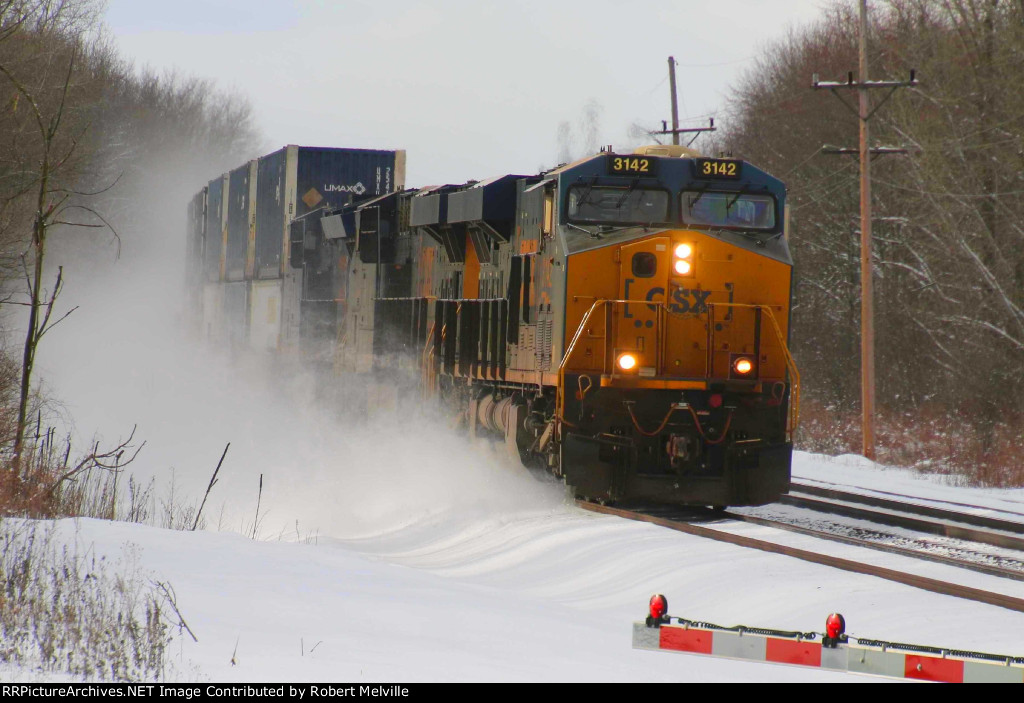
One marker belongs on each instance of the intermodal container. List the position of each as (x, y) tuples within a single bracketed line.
[(241, 184), (216, 222), (296, 180)]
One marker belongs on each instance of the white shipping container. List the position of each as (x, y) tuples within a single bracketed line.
[(213, 312), (265, 315)]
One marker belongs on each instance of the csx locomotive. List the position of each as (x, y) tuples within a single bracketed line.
[(621, 320)]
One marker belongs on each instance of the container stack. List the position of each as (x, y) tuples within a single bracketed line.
[(244, 287)]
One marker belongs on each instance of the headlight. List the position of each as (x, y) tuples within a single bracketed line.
[(627, 362), (743, 366), (683, 264)]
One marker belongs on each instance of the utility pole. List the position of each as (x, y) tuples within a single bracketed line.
[(675, 131), (675, 104), (867, 313)]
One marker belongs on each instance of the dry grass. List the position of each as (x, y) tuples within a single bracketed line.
[(62, 610), (66, 610), (928, 439), (50, 482)]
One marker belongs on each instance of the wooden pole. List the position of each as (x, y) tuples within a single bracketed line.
[(867, 308), (675, 106)]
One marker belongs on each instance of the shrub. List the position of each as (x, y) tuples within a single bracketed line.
[(62, 610), (931, 439)]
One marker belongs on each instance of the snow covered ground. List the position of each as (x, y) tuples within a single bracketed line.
[(509, 583), (389, 550), (857, 474)]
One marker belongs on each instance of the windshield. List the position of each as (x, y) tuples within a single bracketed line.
[(728, 209), (617, 205)]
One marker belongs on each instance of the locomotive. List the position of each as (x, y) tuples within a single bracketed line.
[(621, 320)]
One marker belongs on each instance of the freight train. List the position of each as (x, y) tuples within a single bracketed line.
[(622, 320)]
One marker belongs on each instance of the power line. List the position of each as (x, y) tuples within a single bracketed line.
[(712, 65)]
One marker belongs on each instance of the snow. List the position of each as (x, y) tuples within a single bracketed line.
[(851, 472), (516, 585), (388, 550)]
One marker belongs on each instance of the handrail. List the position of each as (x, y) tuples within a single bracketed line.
[(427, 369), (794, 373), (576, 337), (339, 348)]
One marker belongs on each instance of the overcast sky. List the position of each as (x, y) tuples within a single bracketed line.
[(470, 88)]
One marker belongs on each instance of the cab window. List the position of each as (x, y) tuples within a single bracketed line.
[(617, 205), (734, 210)]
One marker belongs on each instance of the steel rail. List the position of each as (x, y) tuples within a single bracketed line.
[(918, 524), (903, 496), (988, 569), (923, 582), (913, 508)]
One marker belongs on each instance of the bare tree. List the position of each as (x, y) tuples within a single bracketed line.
[(585, 137), (948, 257), (57, 139)]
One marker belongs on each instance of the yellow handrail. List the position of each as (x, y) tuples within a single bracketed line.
[(794, 373), (339, 347), (425, 365), (576, 337)]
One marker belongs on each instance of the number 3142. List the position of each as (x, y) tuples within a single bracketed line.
[(719, 168)]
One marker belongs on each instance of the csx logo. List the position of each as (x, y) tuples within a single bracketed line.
[(682, 300), (687, 300)]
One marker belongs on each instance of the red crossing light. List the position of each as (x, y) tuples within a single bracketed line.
[(835, 625), (659, 606)]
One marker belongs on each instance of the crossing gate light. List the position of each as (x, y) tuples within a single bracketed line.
[(658, 607)]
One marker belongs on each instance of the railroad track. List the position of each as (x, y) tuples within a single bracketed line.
[(903, 497), (972, 561), (685, 520), (960, 528), (920, 518)]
